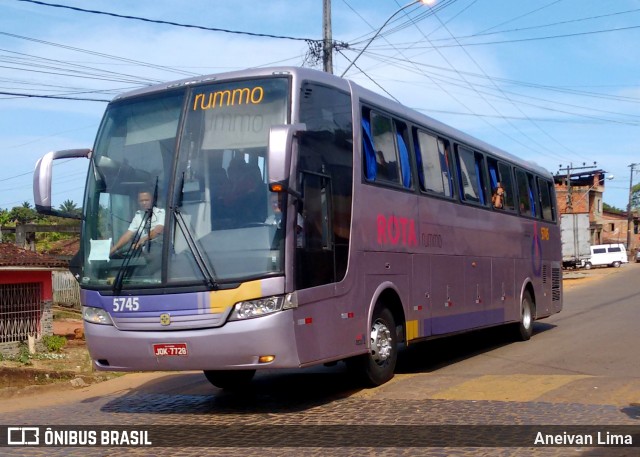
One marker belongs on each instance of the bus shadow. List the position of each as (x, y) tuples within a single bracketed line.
[(271, 392), (295, 390), (434, 354)]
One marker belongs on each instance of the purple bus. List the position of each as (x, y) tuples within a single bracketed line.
[(285, 217)]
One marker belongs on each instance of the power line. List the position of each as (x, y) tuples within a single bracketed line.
[(552, 24), (521, 40), (99, 54), (58, 97), (177, 24)]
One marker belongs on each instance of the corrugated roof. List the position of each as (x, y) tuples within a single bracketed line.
[(13, 256)]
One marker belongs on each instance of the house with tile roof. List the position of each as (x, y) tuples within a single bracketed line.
[(26, 295)]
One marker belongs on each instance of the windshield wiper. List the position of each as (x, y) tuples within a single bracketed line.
[(130, 253), (207, 272)]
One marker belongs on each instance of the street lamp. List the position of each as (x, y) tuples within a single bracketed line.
[(424, 2), (586, 192)]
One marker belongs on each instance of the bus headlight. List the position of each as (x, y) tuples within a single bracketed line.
[(256, 308), (96, 316)]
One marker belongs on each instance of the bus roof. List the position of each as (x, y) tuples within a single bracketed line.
[(299, 73)]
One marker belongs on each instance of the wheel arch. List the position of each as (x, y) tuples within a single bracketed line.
[(387, 294), (527, 286)]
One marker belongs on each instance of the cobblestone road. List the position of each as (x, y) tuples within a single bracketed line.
[(302, 422)]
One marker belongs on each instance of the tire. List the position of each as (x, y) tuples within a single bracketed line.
[(616, 264), (230, 380), (587, 266), (524, 328), (378, 366)]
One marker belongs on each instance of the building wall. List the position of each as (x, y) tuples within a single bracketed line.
[(587, 197), (22, 276), (614, 228), (44, 321)]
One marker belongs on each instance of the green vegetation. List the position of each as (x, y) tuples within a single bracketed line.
[(25, 214), (23, 355), (66, 313), (612, 209), (54, 343)]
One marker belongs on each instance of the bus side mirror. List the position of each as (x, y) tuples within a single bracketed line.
[(280, 154), (42, 180)]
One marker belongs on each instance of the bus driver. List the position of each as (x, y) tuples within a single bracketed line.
[(140, 225)]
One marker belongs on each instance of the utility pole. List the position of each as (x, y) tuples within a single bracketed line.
[(576, 225), (629, 215), (569, 169), (327, 48)]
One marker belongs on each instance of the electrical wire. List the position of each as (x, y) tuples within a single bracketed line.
[(177, 24)]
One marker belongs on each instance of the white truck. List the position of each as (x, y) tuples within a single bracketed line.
[(576, 239)]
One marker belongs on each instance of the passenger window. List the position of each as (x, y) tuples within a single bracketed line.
[(526, 200), (403, 153), (386, 149), (546, 203), (432, 157), (500, 174), (471, 176), (615, 250)]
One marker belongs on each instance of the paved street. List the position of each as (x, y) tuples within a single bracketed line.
[(580, 368)]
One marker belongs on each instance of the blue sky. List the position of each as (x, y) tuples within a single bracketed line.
[(553, 81)]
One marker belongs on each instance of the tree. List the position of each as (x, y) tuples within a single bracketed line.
[(635, 197), (612, 209), (5, 217), (23, 214), (68, 206)]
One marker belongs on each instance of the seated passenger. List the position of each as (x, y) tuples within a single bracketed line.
[(497, 200), (247, 198)]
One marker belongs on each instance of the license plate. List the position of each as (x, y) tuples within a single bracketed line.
[(170, 349)]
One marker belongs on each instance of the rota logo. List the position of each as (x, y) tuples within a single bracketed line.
[(396, 230)]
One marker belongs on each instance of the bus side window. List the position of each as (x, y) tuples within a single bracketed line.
[(471, 176), (535, 205), (506, 179), (546, 203), (526, 192), (403, 153), (386, 156), (500, 172), (385, 149), (432, 157)]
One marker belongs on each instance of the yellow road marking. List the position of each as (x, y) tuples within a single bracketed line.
[(520, 387)]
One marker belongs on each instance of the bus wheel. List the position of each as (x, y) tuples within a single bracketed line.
[(377, 367), (525, 326), (616, 264), (231, 379), (587, 266)]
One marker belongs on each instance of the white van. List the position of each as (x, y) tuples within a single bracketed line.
[(609, 255)]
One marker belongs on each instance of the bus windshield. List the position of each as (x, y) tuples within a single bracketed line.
[(177, 189)]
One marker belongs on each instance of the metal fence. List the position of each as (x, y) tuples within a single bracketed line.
[(20, 311), (66, 290)]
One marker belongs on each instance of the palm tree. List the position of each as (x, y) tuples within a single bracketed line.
[(68, 206)]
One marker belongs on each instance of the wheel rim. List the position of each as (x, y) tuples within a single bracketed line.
[(381, 342), (526, 314)]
